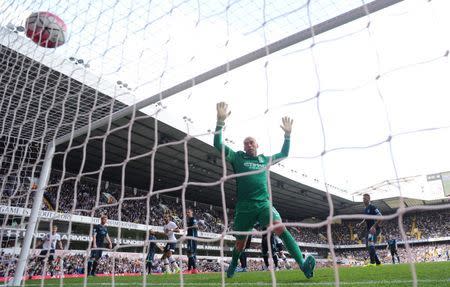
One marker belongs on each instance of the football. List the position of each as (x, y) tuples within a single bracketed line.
[(46, 29)]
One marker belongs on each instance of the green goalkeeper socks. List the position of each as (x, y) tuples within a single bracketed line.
[(292, 247), (234, 259), (235, 256)]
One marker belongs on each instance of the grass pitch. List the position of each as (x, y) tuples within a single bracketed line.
[(428, 274)]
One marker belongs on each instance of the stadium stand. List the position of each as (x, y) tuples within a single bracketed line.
[(419, 225)]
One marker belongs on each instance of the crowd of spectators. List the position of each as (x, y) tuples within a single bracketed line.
[(71, 264), (419, 253), (82, 196), (417, 226), (134, 210)]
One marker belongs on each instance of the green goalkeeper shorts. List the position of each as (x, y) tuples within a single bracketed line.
[(247, 214)]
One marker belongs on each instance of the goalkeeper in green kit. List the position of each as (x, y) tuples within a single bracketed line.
[(253, 203)]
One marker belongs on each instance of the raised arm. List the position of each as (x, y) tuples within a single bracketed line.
[(286, 126), (222, 114)]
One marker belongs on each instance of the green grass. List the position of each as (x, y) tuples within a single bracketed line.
[(428, 274)]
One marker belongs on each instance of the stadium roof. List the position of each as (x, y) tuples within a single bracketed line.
[(40, 101), (54, 96)]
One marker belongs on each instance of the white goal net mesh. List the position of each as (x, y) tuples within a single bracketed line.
[(120, 120)]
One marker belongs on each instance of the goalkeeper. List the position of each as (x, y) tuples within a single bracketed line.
[(253, 203)]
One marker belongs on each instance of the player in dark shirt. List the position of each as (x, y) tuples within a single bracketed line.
[(265, 250), (152, 249), (100, 233), (392, 245), (192, 231), (373, 228)]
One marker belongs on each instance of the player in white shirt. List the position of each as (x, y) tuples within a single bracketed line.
[(169, 229), (48, 245)]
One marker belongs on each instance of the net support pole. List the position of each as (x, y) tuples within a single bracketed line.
[(293, 39), (32, 220)]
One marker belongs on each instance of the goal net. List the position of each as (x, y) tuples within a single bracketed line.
[(119, 121)]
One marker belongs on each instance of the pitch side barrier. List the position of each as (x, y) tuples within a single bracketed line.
[(67, 217), (116, 241)]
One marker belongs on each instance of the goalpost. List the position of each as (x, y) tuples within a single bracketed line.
[(84, 124)]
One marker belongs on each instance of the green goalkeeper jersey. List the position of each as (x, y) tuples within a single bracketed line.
[(250, 188)]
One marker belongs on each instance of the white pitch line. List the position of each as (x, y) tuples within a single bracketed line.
[(330, 283)]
